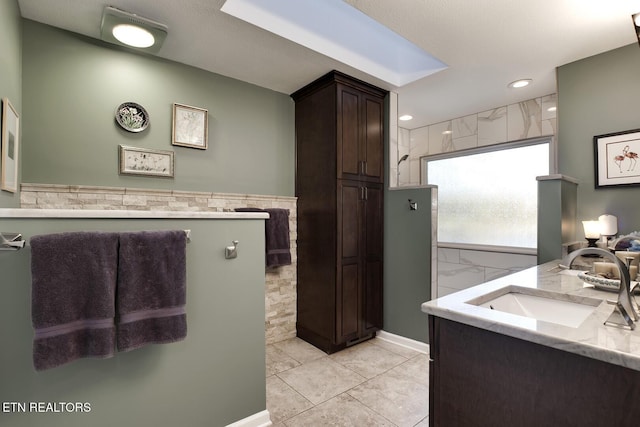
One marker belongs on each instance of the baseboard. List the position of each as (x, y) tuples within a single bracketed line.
[(261, 419), (403, 341)]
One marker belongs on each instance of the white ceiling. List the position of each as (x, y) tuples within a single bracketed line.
[(485, 43)]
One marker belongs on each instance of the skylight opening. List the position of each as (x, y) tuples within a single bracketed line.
[(340, 31)]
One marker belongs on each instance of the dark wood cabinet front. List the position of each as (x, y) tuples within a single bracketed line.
[(359, 135), (339, 175)]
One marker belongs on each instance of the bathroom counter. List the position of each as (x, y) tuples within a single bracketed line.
[(590, 339)]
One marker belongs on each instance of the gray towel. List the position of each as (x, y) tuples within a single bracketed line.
[(73, 288), (151, 290), (277, 240)]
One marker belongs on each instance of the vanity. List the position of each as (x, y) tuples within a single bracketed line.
[(557, 365)]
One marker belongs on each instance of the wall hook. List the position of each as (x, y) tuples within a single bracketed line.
[(231, 252), (413, 206)]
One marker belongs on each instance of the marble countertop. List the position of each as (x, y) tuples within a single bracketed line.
[(590, 339), (126, 214)]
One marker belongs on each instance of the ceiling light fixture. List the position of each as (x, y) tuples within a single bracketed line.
[(127, 29), (405, 117), (552, 109), (636, 24), (520, 83)]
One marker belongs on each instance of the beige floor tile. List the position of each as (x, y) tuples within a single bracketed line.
[(278, 361), (423, 423), (394, 348), (283, 402), (416, 368), (342, 411), (367, 359), (300, 350), (396, 395), (321, 379)]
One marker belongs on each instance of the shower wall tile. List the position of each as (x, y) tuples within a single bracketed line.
[(449, 255), (492, 126), (420, 142), (524, 120), (465, 142), (414, 171), (464, 126), (497, 260), (440, 140), (459, 276)]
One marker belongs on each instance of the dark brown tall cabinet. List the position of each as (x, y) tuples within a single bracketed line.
[(339, 185)]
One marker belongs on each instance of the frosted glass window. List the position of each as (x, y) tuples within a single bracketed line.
[(489, 198)]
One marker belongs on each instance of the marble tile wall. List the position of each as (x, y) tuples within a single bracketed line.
[(462, 268), (526, 119), (280, 283)]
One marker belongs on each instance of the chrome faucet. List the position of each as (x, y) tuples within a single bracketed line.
[(624, 314)]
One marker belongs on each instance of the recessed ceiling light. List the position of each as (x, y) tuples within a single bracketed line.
[(520, 83), (405, 117), (340, 31), (447, 132), (552, 109)]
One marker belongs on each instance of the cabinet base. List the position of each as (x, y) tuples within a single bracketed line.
[(326, 345)]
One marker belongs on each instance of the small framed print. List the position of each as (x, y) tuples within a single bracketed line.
[(616, 159), (10, 147), (144, 161), (190, 126)]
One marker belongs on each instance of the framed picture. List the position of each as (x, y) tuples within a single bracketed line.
[(10, 147), (616, 159), (190, 127), (144, 161)]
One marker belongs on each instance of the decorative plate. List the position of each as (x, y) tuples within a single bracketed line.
[(132, 117), (599, 282)]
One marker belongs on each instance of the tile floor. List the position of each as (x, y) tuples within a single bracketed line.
[(375, 383)]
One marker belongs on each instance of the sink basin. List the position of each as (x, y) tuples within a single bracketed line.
[(540, 305)]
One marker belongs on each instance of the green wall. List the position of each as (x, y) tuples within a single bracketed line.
[(215, 377), (596, 96), (10, 72), (72, 86), (407, 262)]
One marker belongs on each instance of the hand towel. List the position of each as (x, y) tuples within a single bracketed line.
[(277, 241), (277, 238), (73, 292), (151, 288)]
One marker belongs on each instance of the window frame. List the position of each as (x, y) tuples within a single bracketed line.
[(553, 166)]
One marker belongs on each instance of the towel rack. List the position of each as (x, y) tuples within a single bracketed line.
[(11, 241)]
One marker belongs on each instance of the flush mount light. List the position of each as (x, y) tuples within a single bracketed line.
[(520, 83), (126, 29), (405, 117)]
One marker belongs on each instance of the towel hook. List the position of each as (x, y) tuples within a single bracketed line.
[(231, 252)]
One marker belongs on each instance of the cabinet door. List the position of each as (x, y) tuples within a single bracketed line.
[(348, 293), (372, 259), (372, 142), (348, 133)]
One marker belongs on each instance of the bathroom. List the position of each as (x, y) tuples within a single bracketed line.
[(66, 88)]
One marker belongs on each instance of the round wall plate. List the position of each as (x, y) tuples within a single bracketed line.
[(132, 117)]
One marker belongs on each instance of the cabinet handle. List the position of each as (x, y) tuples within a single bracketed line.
[(364, 193), (364, 167)]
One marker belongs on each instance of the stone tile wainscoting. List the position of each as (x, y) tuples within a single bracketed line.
[(280, 283)]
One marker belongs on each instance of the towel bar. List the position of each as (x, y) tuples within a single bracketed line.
[(11, 241), (15, 242)]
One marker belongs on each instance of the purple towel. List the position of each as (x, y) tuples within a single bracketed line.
[(151, 290), (73, 292), (277, 241)]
